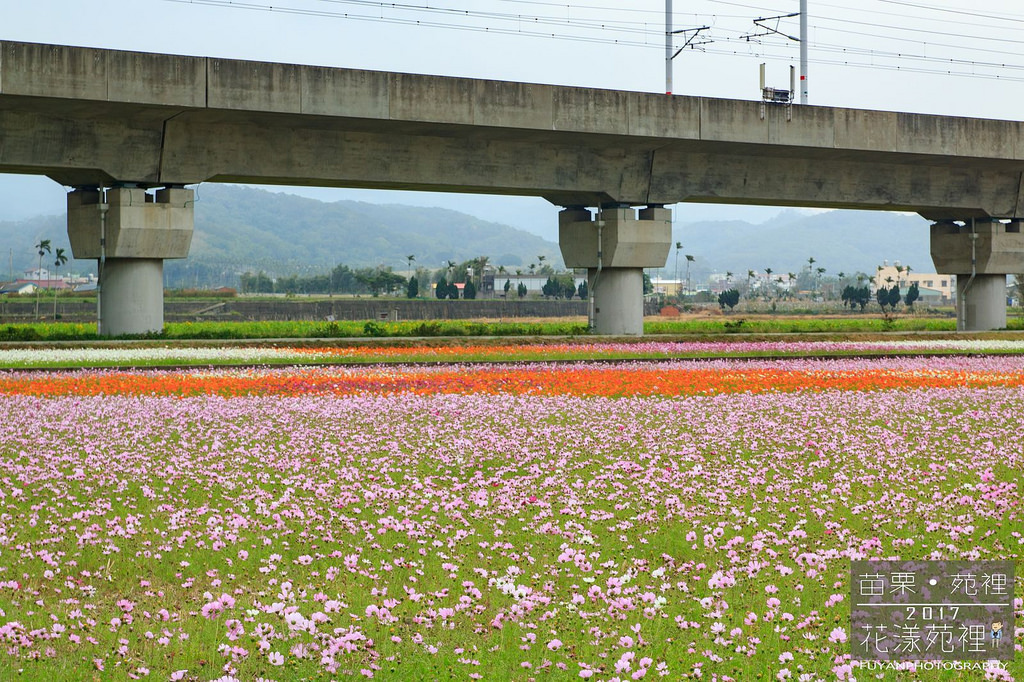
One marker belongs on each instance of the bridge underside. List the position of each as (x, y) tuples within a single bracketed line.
[(104, 144)]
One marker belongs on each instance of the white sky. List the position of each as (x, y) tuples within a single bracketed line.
[(932, 56)]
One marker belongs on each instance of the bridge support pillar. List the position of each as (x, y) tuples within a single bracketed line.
[(980, 253), (615, 248), (130, 233)]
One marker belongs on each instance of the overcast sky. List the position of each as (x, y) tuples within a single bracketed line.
[(941, 56)]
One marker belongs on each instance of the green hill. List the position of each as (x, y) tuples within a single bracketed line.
[(242, 229)]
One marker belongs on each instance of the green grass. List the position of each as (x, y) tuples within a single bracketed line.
[(801, 325), (308, 329), (67, 331)]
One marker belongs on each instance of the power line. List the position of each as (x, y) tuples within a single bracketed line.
[(934, 8), (637, 34), (916, 17)]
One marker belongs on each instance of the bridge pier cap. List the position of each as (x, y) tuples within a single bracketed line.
[(981, 252), (615, 246), (130, 232)]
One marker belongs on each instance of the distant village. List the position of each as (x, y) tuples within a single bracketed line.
[(934, 289), (41, 278)]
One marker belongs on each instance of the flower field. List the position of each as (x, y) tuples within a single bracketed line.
[(671, 520)]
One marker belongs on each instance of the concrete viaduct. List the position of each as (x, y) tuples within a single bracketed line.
[(116, 125)]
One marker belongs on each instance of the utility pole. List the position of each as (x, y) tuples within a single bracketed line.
[(689, 33), (668, 47), (803, 51), (774, 30)]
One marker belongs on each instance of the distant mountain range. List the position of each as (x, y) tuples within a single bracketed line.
[(242, 229), (840, 241)]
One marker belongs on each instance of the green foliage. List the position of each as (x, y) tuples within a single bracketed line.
[(913, 293), (648, 285), (296, 329), (60, 331), (441, 289), (371, 328), (894, 297), (559, 286), (882, 296), (802, 325), (583, 291), (342, 279), (412, 289), (380, 280), (521, 290), (469, 290), (856, 296), (729, 298)]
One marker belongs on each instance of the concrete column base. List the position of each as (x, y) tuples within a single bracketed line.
[(983, 306), (618, 300), (132, 296)]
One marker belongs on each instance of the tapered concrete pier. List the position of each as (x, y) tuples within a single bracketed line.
[(981, 253), (130, 232), (615, 248)]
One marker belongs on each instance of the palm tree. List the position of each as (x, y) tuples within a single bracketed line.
[(728, 277), (750, 276), (821, 271), (409, 259), (768, 271), (481, 263), (61, 260), (43, 247), (792, 277)]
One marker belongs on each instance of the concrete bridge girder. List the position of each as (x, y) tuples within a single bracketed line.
[(102, 143), (936, 191)]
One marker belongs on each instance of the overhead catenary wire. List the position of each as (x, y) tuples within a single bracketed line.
[(622, 29)]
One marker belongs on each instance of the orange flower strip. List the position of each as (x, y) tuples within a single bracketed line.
[(625, 379)]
